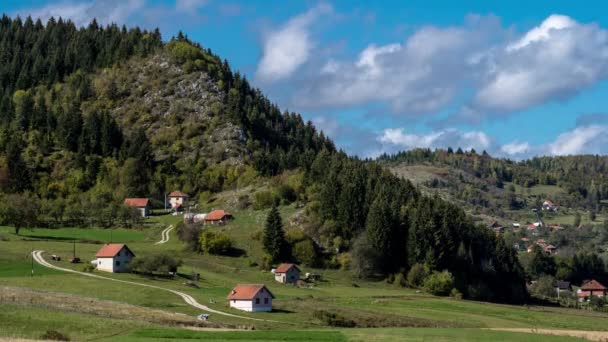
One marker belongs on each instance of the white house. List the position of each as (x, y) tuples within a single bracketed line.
[(549, 206), (142, 204), (177, 199), (287, 273), (114, 257), (252, 298)]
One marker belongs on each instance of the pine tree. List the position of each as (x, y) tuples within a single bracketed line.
[(275, 244)]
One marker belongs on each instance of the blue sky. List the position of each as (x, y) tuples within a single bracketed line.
[(516, 78)]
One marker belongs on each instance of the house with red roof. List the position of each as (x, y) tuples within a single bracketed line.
[(143, 205), (178, 199), (113, 257), (251, 298), (217, 217), (591, 288), (548, 205), (287, 274)]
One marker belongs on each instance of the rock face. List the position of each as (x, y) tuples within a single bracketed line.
[(183, 113)]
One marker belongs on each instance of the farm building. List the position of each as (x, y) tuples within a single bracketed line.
[(142, 204), (591, 288), (177, 199), (549, 206), (114, 257), (217, 217), (562, 286), (252, 298), (287, 274), (194, 218)]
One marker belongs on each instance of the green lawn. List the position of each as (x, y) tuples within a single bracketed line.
[(376, 303)]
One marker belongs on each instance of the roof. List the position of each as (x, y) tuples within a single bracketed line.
[(525, 239), (549, 202), (216, 215), (562, 284), (284, 268), (550, 247), (247, 291), (137, 202), (495, 224), (178, 194), (110, 250), (593, 285)]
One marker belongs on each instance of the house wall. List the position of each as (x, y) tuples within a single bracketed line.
[(251, 305), (105, 264), (175, 201), (292, 276)]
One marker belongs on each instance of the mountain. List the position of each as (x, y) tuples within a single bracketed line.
[(110, 113)]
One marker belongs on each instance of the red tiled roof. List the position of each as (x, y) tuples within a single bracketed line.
[(593, 285), (244, 292), (110, 250), (525, 239), (283, 268), (178, 194), (137, 202), (216, 215)]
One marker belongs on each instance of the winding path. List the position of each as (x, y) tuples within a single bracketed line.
[(164, 235), (37, 255)]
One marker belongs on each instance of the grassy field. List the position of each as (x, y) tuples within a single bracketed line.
[(398, 313)]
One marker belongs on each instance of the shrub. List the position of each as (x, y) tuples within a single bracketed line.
[(400, 280), (54, 335), (344, 260), (215, 243), (416, 275), (305, 252), (333, 319), (88, 268), (439, 283), (544, 287), (161, 263), (263, 200), (286, 194), (456, 294)]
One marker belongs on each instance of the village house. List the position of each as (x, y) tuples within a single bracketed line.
[(287, 274), (143, 205), (114, 257), (589, 289), (550, 249), (549, 206), (251, 298), (178, 199), (217, 217)]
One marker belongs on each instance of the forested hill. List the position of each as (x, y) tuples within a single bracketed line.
[(582, 180), (92, 115)]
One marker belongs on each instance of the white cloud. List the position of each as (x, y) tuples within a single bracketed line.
[(420, 75), (588, 140), (553, 61), (82, 13), (289, 47), (515, 148), (189, 5), (397, 138)]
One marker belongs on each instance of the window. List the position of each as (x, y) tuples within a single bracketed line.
[(234, 300), (117, 263), (266, 300), (257, 300)]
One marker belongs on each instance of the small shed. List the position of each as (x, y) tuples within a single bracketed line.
[(217, 217), (143, 205), (287, 274)]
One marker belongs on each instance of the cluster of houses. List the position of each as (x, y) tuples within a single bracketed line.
[(547, 248), (115, 258), (589, 289), (177, 200)]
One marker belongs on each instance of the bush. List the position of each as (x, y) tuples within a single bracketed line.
[(263, 200), (54, 335), (400, 280), (416, 275), (215, 243), (88, 268), (333, 319), (344, 260), (161, 264), (544, 287), (456, 294), (305, 252), (286, 194), (439, 283)]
